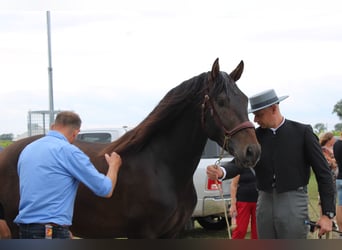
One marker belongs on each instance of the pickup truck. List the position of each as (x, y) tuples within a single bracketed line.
[(212, 203)]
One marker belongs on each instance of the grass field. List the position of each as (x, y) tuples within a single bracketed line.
[(199, 232), (5, 143)]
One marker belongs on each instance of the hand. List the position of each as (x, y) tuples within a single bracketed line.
[(214, 172), (233, 210), (114, 163), (5, 232), (114, 160), (325, 225)]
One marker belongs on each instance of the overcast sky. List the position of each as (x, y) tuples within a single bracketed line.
[(113, 62)]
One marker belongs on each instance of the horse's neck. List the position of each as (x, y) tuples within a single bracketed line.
[(185, 141)]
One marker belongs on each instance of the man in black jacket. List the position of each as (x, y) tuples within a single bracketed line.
[(288, 150)]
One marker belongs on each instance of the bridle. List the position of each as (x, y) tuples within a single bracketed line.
[(228, 134), (207, 102)]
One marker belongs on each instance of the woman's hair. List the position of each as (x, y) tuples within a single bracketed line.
[(324, 138)]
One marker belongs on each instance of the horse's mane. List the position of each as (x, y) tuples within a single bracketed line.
[(161, 117)]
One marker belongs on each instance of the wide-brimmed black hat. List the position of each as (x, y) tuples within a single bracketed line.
[(264, 100)]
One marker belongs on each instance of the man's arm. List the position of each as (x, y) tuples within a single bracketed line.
[(233, 191), (322, 172), (324, 179), (114, 164)]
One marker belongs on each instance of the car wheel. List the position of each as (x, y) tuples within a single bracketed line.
[(213, 222)]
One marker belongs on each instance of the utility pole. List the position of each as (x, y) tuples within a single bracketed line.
[(52, 116)]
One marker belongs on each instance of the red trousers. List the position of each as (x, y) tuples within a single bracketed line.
[(245, 214)]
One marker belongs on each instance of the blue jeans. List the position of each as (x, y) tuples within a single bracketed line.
[(37, 231), (339, 191)]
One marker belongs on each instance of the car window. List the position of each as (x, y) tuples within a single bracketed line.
[(95, 137)]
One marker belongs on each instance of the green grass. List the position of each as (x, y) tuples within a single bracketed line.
[(5, 143), (314, 210)]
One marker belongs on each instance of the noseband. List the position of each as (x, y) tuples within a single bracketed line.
[(213, 112)]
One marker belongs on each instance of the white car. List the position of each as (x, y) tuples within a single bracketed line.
[(212, 203), (102, 135)]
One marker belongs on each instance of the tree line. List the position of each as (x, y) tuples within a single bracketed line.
[(6, 137), (320, 127)]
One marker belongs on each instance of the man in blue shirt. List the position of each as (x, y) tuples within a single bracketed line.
[(50, 170)]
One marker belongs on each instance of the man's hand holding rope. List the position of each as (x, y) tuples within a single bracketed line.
[(214, 172)]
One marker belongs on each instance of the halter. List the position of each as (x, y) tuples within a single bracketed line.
[(228, 133)]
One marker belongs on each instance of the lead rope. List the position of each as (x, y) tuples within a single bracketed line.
[(226, 138)]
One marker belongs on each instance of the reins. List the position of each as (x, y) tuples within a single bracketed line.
[(217, 163), (227, 136)]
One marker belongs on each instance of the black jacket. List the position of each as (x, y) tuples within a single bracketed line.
[(286, 158)]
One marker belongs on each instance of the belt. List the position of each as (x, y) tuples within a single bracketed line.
[(44, 224), (301, 188), (55, 225)]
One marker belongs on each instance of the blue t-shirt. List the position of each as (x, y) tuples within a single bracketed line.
[(50, 170)]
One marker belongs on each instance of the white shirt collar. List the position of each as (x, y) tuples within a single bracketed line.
[(274, 130)]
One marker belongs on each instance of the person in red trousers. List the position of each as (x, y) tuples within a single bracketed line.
[(244, 197)]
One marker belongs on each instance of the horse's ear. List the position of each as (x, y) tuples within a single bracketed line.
[(215, 69), (236, 73)]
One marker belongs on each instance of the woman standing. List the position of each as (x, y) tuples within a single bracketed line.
[(327, 141), (244, 197)]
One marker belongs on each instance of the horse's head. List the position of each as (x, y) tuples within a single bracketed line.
[(225, 116)]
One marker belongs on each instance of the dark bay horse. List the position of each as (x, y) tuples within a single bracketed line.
[(155, 195)]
